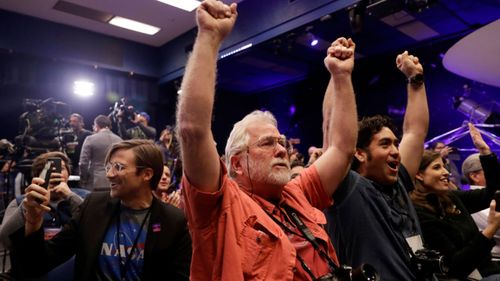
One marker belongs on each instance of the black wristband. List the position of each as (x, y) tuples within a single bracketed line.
[(416, 80)]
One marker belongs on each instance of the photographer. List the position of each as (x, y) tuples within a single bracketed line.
[(444, 214), (133, 125), (63, 202)]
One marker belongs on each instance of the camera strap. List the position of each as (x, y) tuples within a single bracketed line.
[(290, 213)]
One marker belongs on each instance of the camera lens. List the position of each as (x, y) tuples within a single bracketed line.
[(365, 272)]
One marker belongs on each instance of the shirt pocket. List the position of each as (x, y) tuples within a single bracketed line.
[(257, 247)]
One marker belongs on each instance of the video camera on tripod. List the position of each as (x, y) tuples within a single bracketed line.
[(43, 125), (122, 110)]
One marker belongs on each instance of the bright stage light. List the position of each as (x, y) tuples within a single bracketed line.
[(83, 88)]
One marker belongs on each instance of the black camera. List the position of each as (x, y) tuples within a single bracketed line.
[(364, 272), (428, 262), (123, 110)]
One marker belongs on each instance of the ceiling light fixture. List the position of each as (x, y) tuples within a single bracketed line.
[(232, 52), (186, 5), (134, 25)]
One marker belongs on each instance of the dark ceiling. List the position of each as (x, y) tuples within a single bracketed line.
[(377, 27)]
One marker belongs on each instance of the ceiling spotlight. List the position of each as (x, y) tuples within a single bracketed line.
[(311, 39)]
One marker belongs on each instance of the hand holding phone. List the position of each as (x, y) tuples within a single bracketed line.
[(497, 201)]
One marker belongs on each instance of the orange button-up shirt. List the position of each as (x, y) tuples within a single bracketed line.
[(234, 239)]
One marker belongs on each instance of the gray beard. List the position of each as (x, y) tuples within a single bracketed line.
[(258, 173)]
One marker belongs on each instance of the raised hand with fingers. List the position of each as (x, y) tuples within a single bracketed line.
[(340, 56), (216, 18), (445, 151), (478, 140), (173, 198), (493, 221)]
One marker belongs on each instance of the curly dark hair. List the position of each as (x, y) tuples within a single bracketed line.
[(367, 127)]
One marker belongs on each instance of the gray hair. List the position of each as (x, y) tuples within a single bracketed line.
[(238, 138)]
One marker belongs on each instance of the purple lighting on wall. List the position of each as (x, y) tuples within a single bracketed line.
[(292, 109)]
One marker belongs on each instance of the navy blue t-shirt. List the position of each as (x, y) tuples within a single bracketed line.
[(368, 223), (122, 234)]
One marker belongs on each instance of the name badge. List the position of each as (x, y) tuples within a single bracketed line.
[(415, 242), (50, 232), (475, 275)]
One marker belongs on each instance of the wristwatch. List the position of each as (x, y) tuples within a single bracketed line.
[(416, 80)]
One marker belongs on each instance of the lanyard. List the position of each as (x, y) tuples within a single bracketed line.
[(306, 234), (123, 266)]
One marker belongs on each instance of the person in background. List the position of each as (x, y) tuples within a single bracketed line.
[(165, 191), (296, 167), (123, 234), (314, 155), (94, 150), (169, 147), (444, 214), (473, 172), (445, 152), (135, 128), (77, 124)]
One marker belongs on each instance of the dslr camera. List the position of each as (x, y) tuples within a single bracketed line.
[(429, 262), (122, 109), (364, 272)]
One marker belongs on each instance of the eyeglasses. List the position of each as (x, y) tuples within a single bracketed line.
[(270, 142), (117, 167)]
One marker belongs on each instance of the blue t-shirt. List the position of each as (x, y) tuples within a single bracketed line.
[(368, 223), (119, 242)]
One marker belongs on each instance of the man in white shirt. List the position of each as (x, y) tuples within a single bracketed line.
[(474, 174)]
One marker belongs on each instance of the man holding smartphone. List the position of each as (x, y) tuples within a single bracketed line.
[(63, 201)]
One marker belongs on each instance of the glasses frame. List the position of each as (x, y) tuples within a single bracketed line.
[(110, 166), (276, 140)]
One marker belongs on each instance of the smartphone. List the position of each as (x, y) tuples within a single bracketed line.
[(497, 200), (57, 164), (46, 173)]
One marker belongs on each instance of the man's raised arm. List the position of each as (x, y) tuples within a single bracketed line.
[(194, 114), (416, 121), (340, 127)]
